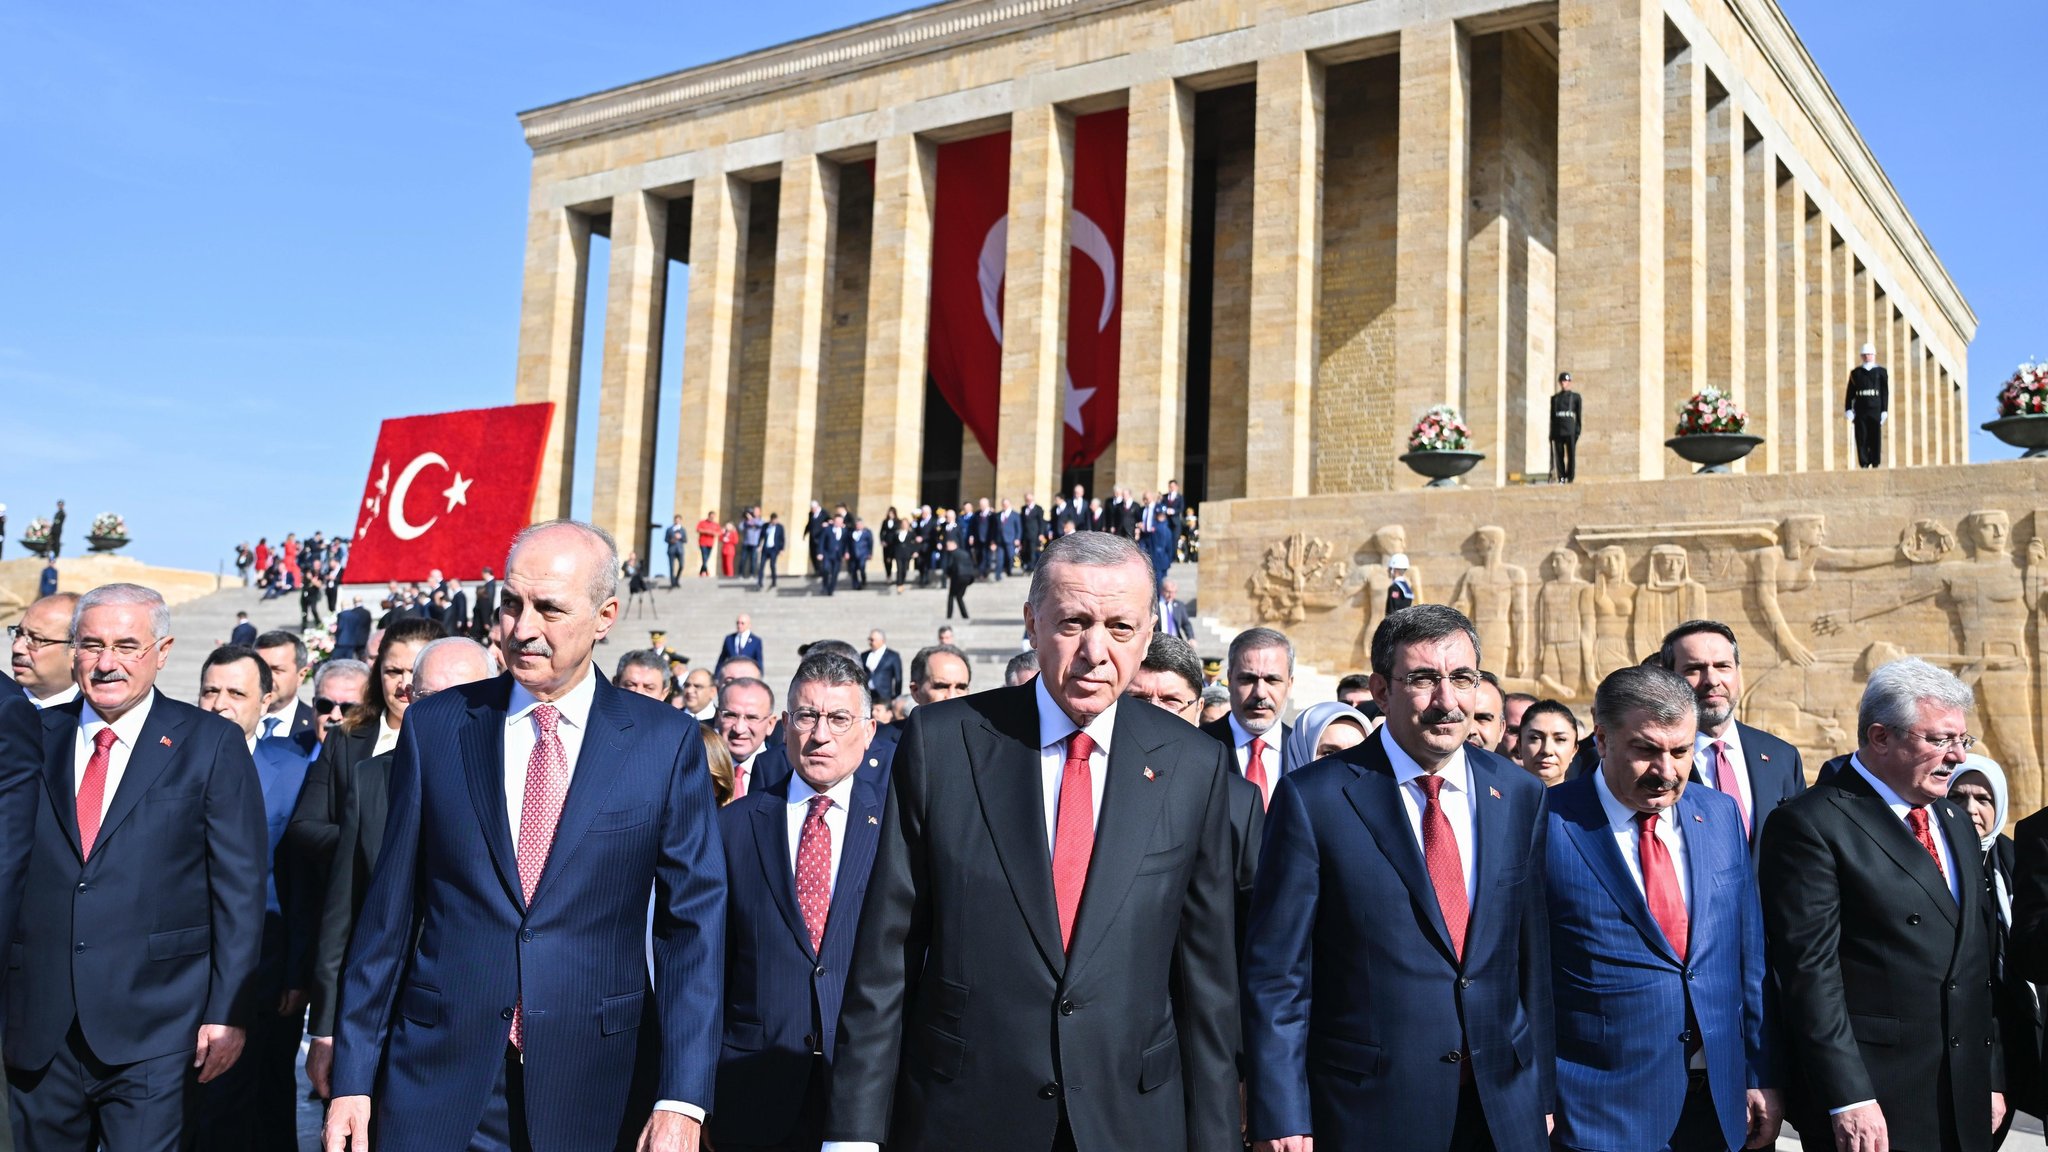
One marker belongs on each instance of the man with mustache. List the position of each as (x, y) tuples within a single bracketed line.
[(1413, 864), (1656, 940), (1756, 769), (41, 654), (1261, 675), (1879, 930)]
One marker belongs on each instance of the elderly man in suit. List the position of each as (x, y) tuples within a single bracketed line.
[(797, 856), (1044, 957), (1261, 675), (1656, 941), (1412, 864), (1880, 933), (142, 915), (497, 992), (1173, 614), (739, 644), (884, 667), (1754, 768)]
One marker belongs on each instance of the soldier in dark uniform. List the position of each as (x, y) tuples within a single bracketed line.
[(1868, 405), (1564, 431), (1400, 591)]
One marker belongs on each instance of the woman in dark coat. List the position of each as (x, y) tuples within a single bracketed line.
[(1979, 786)]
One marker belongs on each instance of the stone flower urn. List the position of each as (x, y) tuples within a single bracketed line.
[(106, 543), (1442, 466), (2029, 431), (1713, 451)]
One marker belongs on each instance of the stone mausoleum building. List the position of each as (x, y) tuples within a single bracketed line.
[(1335, 215)]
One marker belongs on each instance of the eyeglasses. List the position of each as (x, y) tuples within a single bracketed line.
[(126, 652), (1464, 680), (806, 719), (1961, 743), (322, 706), (35, 642)]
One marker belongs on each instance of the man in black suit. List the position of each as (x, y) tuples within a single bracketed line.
[(21, 795), (1566, 406), (885, 667), (485, 613), (244, 632), (352, 631), (1032, 533), (832, 547), (1044, 959), (289, 718), (1868, 406), (455, 618), (142, 915), (1758, 770), (1173, 618), (1261, 675), (363, 803), (1176, 509), (1074, 517), (1879, 928), (774, 538)]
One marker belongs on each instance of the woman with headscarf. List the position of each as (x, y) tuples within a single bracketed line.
[(1979, 786), (1323, 730)]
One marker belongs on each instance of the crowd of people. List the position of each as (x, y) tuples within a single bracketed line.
[(312, 568), (1121, 901)]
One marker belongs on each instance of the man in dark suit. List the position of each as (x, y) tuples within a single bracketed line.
[(21, 795), (1867, 406), (796, 860), (885, 667), (832, 549), (244, 632), (1413, 864), (485, 615), (740, 644), (1031, 531), (1074, 517), (860, 550), (675, 539), (1009, 534), (1656, 940), (1566, 407), (496, 994), (774, 538), (814, 533), (142, 915), (364, 804), (1176, 509), (1173, 618), (352, 631), (1879, 929), (455, 618), (289, 718), (1754, 768), (1261, 674), (1044, 956)]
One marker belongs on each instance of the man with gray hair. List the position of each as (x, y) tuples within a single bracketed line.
[(1260, 676), (338, 686), (1021, 668), (642, 670), (1881, 934)]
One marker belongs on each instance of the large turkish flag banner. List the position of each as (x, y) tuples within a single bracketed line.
[(448, 491), (970, 231)]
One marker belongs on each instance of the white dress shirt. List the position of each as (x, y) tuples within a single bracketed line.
[(69, 694), (872, 657), (1054, 729), (799, 808), (1710, 766), (1457, 777), (1241, 742), (1621, 823), (126, 731), (522, 732), (387, 739)]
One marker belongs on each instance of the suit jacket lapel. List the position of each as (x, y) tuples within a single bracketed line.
[(1688, 817), (1966, 853), (1586, 825), (771, 847), (597, 766), (60, 743), (1004, 757), (1378, 801), (1130, 810), (483, 765), (155, 747), (863, 835), (1493, 848), (1868, 811)]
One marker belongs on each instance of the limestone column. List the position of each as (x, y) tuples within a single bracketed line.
[(1032, 421), (1158, 218), (1760, 283), (1610, 214), (629, 392), (718, 258), (1727, 327), (1287, 204), (899, 292), (1823, 311), (1685, 230), (1794, 307), (1433, 184), (805, 235), (551, 342)]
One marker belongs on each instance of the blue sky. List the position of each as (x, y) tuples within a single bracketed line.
[(239, 235)]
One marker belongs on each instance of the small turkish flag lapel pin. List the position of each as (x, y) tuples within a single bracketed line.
[(1698, 819), (1764, 756), (872, 820), (1493, 792), (1151, 775), (166, 741)]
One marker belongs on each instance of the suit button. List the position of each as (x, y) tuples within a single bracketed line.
[(81, 885), (811, 1041), (1454, 1056), (1048, 1092), (819, 971), (1066, 1007), (80, 948), (1951, 985), (1953, 1042), (527, 934), (1691, 975), (1913, 919), (1685, 1037), (504, 1013), (1464, 982)]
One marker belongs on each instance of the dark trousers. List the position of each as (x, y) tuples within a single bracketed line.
[(829, 571), (253, 1105), (1027, 551), (956, 593), (78, 1102), (1868, 441), (1564, 459), (1699, 1127), (857, 570), (503, 1127), (902, 568), (1469, 1132), (767, 569), (675, 565), (703, 559)]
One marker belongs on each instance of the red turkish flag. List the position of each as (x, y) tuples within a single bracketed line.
[(969, 234), (448, 491)]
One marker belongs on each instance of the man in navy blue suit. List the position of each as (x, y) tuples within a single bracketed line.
[(142, 914), (21, 794), (740, 644), (496, 993), (885, 667), (1761, 771), (797, 857), (1656, 939), (1412, 865)]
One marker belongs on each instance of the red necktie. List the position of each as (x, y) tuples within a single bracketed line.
[(1074, 838), (547, 785), (1724, 779), (740, 772), (1440, 854), (1660, 884), (92, 791), (1255, 766), (1925, 835), (814, 870)]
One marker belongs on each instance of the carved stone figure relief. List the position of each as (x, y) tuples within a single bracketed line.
[(1495, 595), (1299, 576), (1565, 627)]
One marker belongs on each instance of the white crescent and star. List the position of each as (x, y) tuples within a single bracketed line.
[(1087, 238), (456, 493)]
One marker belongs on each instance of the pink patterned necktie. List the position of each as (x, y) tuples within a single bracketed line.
[(1073, 840), (814, 870), (92, 790), (1724, 779), (547, 784)]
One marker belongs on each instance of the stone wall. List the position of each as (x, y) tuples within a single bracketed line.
[(1353, 424), (1822, 576), (1223, 123), (748, 413), (835, 474)]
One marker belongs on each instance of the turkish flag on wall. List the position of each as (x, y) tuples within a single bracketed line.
[(969, 235), (448, 491)]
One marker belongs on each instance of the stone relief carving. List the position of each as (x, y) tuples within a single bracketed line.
[(1565, 627), (1372, 559), (1495, 595), (1298, 576), (1669, 597), (1614, 604)]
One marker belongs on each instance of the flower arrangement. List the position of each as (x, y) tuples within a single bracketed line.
[(1710, 410), (1440, 430), (110, 524), (2026, 394), (319, 647), (38, 530)]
